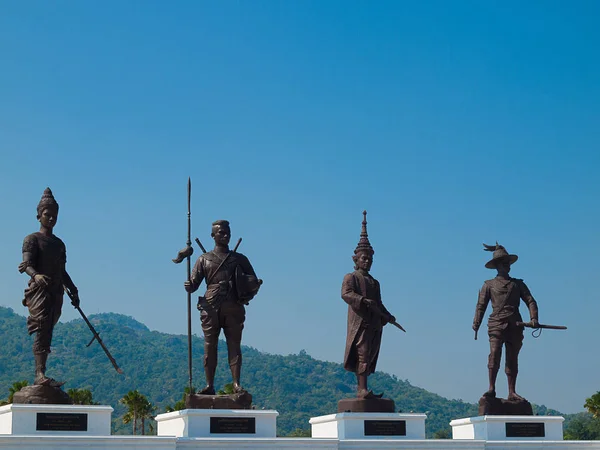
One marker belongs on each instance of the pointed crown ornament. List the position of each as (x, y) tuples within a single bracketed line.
[(47, 201), (500, 253), (363, 244)]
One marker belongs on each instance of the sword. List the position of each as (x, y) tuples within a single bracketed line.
[(95, 333), (541, 326), (378, 311)]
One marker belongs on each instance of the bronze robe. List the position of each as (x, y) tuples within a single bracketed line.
[(48, 256), (363, 324)]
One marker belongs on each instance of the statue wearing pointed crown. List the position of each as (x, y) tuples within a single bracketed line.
[(366, 316), (505, 294), (44, 260)]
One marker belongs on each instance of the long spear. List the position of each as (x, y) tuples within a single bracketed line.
[(187, 253)]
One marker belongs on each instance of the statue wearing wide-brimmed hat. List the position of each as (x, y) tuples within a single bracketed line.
[(505, 294)]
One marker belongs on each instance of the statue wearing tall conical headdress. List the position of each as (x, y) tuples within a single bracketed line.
[(44, 260), (366, 315)]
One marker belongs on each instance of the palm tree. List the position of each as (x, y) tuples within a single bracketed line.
[(145, 412), (81, 396), (139, 407), (592, 404)]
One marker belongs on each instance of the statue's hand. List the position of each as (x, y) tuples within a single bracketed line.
[(41, 280), (535, 323), (369, 302), (387, 318), (75, 298), (188, 286), (476, 326)]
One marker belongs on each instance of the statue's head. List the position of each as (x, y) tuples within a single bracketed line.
[(47, 209), (363, 254), (501, 260), (363, 260), (221, 232)]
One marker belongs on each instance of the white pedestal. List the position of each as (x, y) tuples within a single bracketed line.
[(507, 428), (56, 420), (369, 426), (218, 423)]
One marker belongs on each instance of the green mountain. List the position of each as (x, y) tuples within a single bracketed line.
[(298, 386)]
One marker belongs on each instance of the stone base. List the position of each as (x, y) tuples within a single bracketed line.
[(230, 423), (56, 420), (42, 395), (369, 426), (503, 428), (494, 406), (242, 400), (368, 405)]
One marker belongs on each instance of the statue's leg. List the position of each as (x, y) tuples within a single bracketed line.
[(235, 316), (513, 347), (40, 323), (363, 353), (41, 349), (40, 368), (211, 329), (493, 364)]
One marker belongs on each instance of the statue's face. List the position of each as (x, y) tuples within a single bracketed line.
[(49, 217), (503, 267), (221, 234), (364, 261)]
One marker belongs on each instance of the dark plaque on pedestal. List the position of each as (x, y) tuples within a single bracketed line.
[(385, 428), (61, 422), (525, 429), (232, 425)]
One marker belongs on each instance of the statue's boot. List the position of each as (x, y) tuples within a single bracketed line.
[(40, 372), (491, 393)]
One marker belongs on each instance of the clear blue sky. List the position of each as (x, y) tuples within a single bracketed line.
[(452, 123)]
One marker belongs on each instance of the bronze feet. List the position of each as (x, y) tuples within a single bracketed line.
[(515, 397), (45, 381), (208, 390), (490, 393), (364, 393)]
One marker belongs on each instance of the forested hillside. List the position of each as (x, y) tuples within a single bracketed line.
[(297, 386)]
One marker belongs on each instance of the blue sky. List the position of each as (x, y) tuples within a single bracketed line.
[(452, 123)]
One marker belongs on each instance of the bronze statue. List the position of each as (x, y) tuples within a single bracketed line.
[(505, 327), (230, 284), (366, 316), (44, 260)]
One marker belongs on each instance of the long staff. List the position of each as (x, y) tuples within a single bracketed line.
[(187, 253)]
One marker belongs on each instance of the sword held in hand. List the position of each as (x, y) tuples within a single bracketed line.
[(373, 307), (540, 326), (95, 333)]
